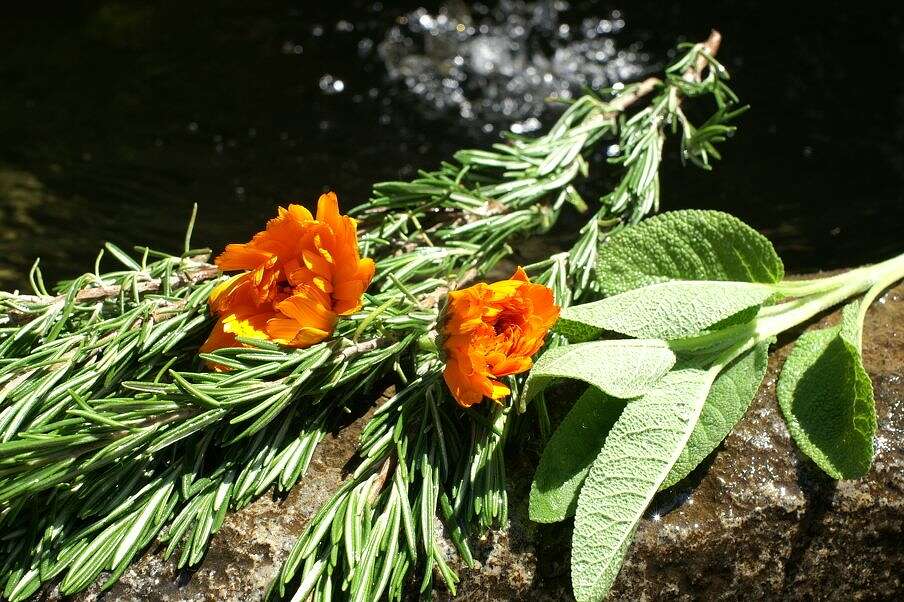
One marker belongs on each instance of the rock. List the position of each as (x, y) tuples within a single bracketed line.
[(756, 521)]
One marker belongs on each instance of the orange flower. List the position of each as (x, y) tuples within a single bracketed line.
[(300, 274), (491, 331)]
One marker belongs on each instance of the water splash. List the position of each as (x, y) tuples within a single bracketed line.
[(501, 65)]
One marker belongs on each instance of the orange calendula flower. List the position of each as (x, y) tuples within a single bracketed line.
[(299, 275), (491, 331)]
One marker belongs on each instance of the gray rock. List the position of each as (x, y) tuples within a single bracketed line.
[(756, 521)]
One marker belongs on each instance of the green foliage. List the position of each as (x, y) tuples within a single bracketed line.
[(720, 331), (668, 310), (827, 398), (726, 404), (695, 73), (687, 245), (567, 457), (622, 369), (641, 138), (639, 453)]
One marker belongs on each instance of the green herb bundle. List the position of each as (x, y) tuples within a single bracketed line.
[(114, 435)]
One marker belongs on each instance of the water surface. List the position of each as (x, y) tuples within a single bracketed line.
[(116, 117)]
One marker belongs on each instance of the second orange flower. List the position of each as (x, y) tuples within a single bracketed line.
[(492, 331), (299, 275)]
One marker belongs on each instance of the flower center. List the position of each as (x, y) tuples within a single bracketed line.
[(508, 321)]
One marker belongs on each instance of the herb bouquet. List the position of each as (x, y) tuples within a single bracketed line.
[(146, 403)]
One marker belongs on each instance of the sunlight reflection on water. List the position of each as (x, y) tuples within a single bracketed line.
[(502, 64)]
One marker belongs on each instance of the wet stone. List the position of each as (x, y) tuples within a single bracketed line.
[(756, 521)]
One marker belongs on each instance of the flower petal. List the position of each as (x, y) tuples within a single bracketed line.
[(242, 257)]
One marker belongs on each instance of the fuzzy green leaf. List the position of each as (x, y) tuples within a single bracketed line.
[(728, 400), (827, 398), (567, 457), (620, 368), (668, 310), (686, 245), (638, 455)]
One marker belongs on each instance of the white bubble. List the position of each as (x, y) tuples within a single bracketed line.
[(331, 85)]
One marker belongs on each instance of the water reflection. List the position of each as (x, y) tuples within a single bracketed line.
[(503, 64)]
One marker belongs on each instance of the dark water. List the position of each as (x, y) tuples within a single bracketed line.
[(115, 117)]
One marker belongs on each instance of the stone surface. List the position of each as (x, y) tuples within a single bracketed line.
[(755, 521)]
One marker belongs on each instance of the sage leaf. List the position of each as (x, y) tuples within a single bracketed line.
[(827, 398), (668, 310), (726, 404), (638, 455), (686, 245), (620, 368), (568, 455)]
